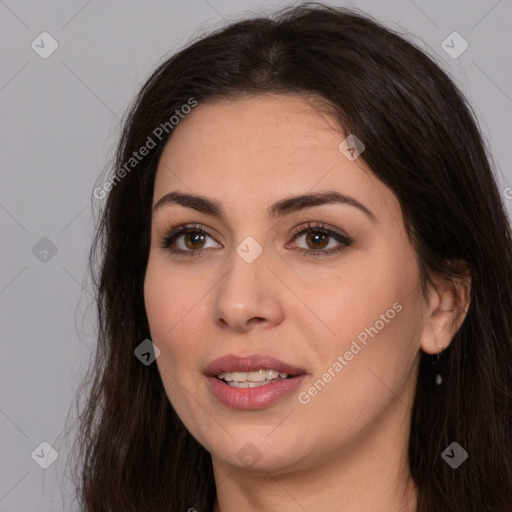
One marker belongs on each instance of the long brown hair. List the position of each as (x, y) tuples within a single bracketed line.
[(423, 142)]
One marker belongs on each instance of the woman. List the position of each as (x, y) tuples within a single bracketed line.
[(304, 230)]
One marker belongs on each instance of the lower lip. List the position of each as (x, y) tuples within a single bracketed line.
[(253, 398)]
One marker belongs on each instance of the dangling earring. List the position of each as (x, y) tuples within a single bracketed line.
[(438, 379)]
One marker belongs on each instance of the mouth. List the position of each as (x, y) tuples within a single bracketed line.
[(252, 382)]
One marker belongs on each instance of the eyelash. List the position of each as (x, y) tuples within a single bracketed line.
[(317, 227)]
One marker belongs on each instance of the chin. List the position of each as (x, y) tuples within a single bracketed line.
[(278, 453)]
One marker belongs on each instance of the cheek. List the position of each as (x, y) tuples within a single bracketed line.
[(371, 295), (365, 359), (174, 311), (166, 306), (347, 300), (171, 299)]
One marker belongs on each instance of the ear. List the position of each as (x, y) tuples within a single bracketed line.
[(449, 299)]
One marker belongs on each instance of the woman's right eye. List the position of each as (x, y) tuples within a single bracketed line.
[(186, 240)]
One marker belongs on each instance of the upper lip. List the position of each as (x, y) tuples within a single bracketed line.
[(232, 363)]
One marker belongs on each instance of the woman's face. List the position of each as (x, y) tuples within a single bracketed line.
[(324, 290)]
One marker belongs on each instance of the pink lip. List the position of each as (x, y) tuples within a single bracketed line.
[(252, 398), (231, 363)]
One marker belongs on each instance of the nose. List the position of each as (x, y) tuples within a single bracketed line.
[(249, 295)]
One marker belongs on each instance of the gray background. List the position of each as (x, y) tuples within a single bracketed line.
[(59, 122)]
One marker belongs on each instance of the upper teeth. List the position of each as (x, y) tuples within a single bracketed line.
[(257, 376)]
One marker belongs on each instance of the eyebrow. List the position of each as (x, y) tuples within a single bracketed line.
[(280, 208)]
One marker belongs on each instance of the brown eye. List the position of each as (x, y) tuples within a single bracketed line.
[(318, 238), (189, 240), (194, 240)]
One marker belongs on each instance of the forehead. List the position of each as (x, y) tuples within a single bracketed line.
[(282, 126), (255, 150)]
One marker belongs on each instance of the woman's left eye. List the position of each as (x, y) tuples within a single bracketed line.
[(190, 240), (317, 235)]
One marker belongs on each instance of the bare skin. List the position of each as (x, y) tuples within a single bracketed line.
[(343, 447)]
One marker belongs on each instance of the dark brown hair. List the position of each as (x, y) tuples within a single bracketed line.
[(423, 142)]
